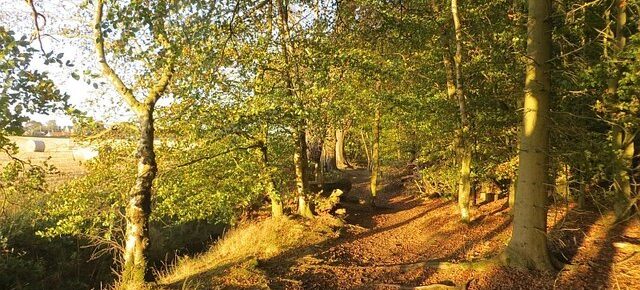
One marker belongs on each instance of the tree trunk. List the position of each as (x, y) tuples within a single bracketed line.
[(365, 141), (464, 180), (528, 244), (512, 196), (300, 155), (341, 159), (622, 182), (267, 179), (301, 164), (375, 156), (139, 207), (622, 137), (329, 151)]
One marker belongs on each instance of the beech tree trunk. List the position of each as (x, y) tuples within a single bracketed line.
[(302, 181), (139, 205), (375, 156), (267, 177), (328, 158), (365, 140), (447, 60), (528, 244), (623, 137), (464, 180), (300, 155), (341, 159)]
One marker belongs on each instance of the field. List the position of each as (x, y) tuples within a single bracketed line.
[(59, 152)]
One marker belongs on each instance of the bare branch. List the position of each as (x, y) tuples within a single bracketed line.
[(36, 18)]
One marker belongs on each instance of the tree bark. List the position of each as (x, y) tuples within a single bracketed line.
[(267, 179), (329, 151), (139, 205), (365, 140), (300, 155), (375, 156), (302, 181), (528, 244), (341, 159), (623, 137), (138, 209), (464, 180)]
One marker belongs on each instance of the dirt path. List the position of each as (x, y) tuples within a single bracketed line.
[(407, 230)]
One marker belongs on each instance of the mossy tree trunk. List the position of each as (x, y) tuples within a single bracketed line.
[(139, 206), (528, 244), (302, 180), (299, 135), (464, 179), (375, 156), (267, 178), (622, 136)]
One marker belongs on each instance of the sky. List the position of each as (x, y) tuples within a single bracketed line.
[(67, 31)]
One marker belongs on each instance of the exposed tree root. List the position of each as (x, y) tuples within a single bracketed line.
[(428, 287), (480, 265)]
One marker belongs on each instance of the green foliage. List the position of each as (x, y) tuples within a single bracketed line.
[(23, 89)]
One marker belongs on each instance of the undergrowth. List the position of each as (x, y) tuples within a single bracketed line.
[(232, 263)]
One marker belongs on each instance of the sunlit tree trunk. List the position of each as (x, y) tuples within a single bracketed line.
[(341, 159), (301, 165), (277, 209), (267, 178), (464, 180), (365, 141), (300, 155), (138, 209), (528, 244), (139, 206), (623, 137), (329, 151), (375, 156)]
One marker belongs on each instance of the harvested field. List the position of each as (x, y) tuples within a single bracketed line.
[(58, 152)]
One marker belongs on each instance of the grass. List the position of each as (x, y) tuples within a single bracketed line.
[(232, 262)]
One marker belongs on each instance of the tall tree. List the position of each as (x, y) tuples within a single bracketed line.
[(623, 135), (299, 134), (135, 256), (528, 244), (464, 180)]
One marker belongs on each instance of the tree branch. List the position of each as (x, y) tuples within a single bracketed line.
[(108, 72)]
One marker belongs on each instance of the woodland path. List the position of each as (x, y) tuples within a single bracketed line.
[(406, 229)]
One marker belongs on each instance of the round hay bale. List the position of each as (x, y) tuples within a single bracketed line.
[(84, 153), (34, 146)]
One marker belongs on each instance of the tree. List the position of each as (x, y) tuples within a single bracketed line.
[(528, 244), (464, 182), (32, 128), (623, 135), (52, 126), (299, 132), (135, 270)]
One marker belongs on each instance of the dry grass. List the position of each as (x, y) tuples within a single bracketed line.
[(232, 262)]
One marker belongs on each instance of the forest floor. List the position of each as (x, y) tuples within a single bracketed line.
[(375, 245), (406, 229)]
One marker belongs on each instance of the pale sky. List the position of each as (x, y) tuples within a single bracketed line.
[(68, 27)]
